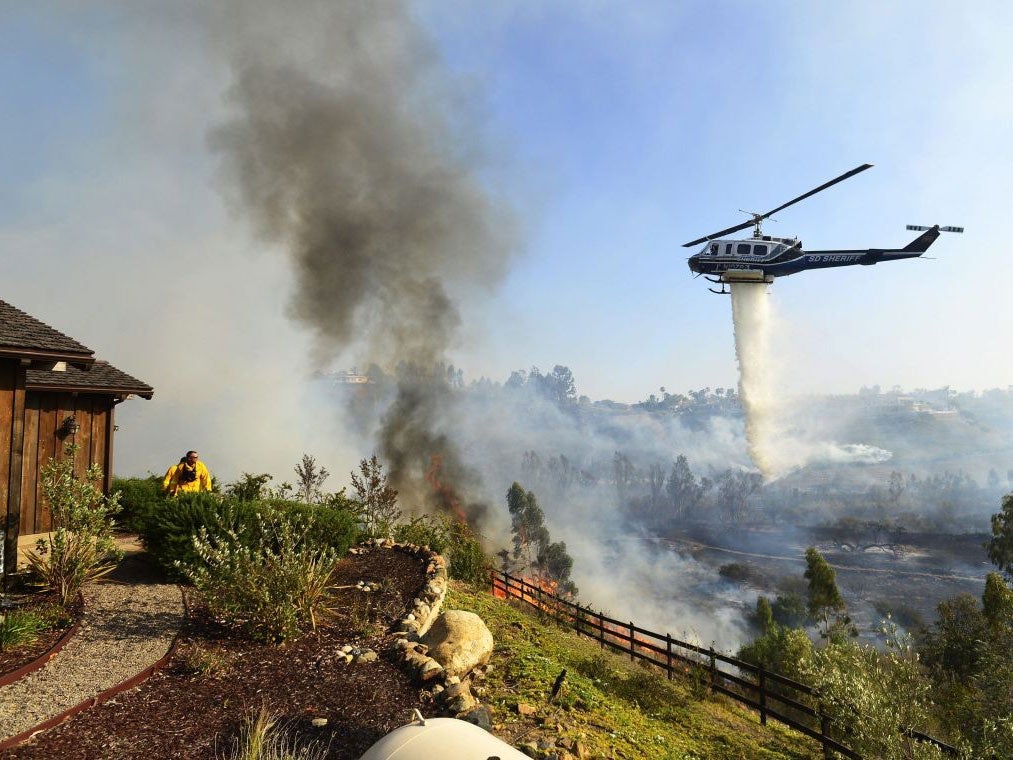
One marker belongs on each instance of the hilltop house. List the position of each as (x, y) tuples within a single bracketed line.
[(53, 392)]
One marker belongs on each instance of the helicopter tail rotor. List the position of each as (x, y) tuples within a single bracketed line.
[(920, 228)]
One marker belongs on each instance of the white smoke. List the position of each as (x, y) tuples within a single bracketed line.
[(777, 446)]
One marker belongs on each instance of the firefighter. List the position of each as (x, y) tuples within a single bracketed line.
[(189, 476)]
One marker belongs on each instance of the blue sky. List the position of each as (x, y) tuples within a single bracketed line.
[(618, 131)]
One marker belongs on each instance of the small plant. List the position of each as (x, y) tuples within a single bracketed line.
[(263, 739), (378, 500), (19, 627), (81, 549), (199, 661), (271, 581)]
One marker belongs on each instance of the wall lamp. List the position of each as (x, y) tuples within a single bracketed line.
[(70, 426)]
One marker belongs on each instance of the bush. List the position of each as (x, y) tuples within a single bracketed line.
[(81, 548), (139, 498), (451, 538), (18, 627), (270, 580), (168, 531)]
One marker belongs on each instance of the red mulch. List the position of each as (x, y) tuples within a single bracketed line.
[(181, 714), (18, 657)]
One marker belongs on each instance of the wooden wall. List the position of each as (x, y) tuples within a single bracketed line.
[(12, 405), (44, 415)]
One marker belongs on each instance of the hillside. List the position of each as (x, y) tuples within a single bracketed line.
[(607, 707)]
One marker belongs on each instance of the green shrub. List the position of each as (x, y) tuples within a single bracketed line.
[(270, 580), (81, 548), (19, 627), (139, 497), (168, 531), (451, 538)]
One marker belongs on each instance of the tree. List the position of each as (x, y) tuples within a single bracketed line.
[(377, 499), (531, 539), (249, 487), (1000, 546), (311, 479), (684, 492), (764, 615), (824, 597)]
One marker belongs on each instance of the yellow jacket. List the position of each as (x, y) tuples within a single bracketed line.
[(172, 484)]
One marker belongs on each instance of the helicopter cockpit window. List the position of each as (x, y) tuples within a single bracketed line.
[(728, 249), (759, 250), (742, 249), (714, 249)]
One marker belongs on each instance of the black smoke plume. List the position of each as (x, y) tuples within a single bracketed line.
[(347, 145)]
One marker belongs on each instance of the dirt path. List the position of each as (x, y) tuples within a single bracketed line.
[(130, 621)]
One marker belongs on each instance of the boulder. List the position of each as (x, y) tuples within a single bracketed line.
[(459, 641)]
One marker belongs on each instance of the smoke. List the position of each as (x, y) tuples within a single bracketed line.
[(780, 434), (350, 150)]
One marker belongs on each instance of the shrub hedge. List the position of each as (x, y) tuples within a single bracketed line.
[(167, 529)]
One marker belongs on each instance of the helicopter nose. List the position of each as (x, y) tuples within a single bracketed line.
[(692, 262)]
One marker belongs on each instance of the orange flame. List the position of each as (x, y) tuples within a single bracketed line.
[(444, 493)]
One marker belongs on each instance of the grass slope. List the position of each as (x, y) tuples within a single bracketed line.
[(607, 707)]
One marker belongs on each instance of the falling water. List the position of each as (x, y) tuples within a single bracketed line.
[(751, 316)]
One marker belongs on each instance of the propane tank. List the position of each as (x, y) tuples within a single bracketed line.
[(444, 738)]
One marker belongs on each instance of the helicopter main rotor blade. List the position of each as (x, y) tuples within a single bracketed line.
[(759, 217), (821, 188)]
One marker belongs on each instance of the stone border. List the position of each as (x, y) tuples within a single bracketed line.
[(8, 678), (453, 693)]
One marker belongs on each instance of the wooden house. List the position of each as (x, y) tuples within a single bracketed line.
[(53, 392)]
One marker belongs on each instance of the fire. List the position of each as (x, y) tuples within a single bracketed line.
[(444, 494)]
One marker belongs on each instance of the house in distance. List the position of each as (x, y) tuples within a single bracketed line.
[(53, 392)]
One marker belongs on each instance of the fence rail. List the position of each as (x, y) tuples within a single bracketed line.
[(771, 694)]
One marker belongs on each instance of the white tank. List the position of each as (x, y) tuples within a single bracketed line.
[(443, 739)]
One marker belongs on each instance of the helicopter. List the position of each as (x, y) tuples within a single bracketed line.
[(761, 258)]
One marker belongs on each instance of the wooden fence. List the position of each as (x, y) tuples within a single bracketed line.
[(772, 695)]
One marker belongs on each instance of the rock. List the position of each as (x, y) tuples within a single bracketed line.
[(430, 670), (348, 659), (368, 656), (319, 722), (523, 708), (480, 716), (452, 680), (459, 641), (454, 689), (462, 703), (346, 649)]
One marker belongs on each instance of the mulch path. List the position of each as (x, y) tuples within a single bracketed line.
[(182, 713), (18, 657)]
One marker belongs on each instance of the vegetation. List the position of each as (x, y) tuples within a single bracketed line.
[(451, 538), (534, 550), (264, 739), (377, 500), (269, 579), (1000, 546), (80, 549), (23, 626), (608, 706)]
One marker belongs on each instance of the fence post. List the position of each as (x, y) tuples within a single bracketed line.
[(713, 668), (631, 641), (601, 630), (538, 596), (824, 725), (763, 696), (668, 655)]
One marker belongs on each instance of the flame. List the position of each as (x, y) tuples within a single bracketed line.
[(444, 494)]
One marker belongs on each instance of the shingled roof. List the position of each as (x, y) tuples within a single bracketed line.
[(101, 377), (23, 335)]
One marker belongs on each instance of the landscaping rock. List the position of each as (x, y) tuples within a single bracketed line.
[(523, 708), (368, 656), (319, 722), (480, 716), (459, 641)]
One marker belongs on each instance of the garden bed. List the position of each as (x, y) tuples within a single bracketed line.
[(20, 657), (217, 679)]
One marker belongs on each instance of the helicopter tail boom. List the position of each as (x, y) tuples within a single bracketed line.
[(921, 243)]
